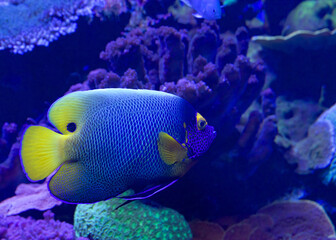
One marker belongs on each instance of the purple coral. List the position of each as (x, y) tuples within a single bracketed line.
[(297, 220), (16, 228), (125, 53), (170, 60), (29, 196), (155, 48), (255, 144), (204, 43)]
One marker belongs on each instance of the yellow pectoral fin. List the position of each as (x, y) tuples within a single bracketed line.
[(170, 150), (41, 152)]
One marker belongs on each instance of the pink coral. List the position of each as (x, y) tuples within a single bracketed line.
[(294, 220), (203, 230), (29, 196)]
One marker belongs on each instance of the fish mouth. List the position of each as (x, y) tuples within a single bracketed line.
[(214, 134)]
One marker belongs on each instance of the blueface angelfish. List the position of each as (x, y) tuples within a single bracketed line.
[(112, 140)]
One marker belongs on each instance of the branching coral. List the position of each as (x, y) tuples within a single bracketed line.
[(207, 69), (255, 144)]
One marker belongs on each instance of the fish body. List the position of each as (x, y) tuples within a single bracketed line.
[(208, 9), (113, 140)]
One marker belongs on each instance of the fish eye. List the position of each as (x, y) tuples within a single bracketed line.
[(71, 127), (214, 10), (201, 124)]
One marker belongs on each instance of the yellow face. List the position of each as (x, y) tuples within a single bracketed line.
[(201, 122)]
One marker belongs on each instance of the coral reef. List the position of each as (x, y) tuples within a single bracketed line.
[(271, 143), (308, 40), (316, 151), (135, 220), (202, 230), (328, 117), (307, 143), (294, 119), (306, 56), (16, 228), (311, 16), (29, 196), (255, 143), (295, 220), (21, 30), (209, 70)]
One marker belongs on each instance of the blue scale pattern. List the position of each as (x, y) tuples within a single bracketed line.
[(116, 147)]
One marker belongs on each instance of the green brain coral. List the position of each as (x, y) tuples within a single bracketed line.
[(136, 221)]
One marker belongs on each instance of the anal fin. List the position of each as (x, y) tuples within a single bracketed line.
[(72, 184)]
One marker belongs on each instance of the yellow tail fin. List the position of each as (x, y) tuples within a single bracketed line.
[(41, 152)]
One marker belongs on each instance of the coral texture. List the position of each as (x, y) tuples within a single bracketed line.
[(209, 70), (17, 228), (21, 30), (306, 56), (29, 196), (312, 16), (294, 119), (295, 220), (315, 151), (202, 230), (329, 117), (132, 221)]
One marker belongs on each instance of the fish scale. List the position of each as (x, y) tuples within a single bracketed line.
[(112, 152), (115, 145)]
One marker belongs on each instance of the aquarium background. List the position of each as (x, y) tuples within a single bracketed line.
[(263, 75)]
